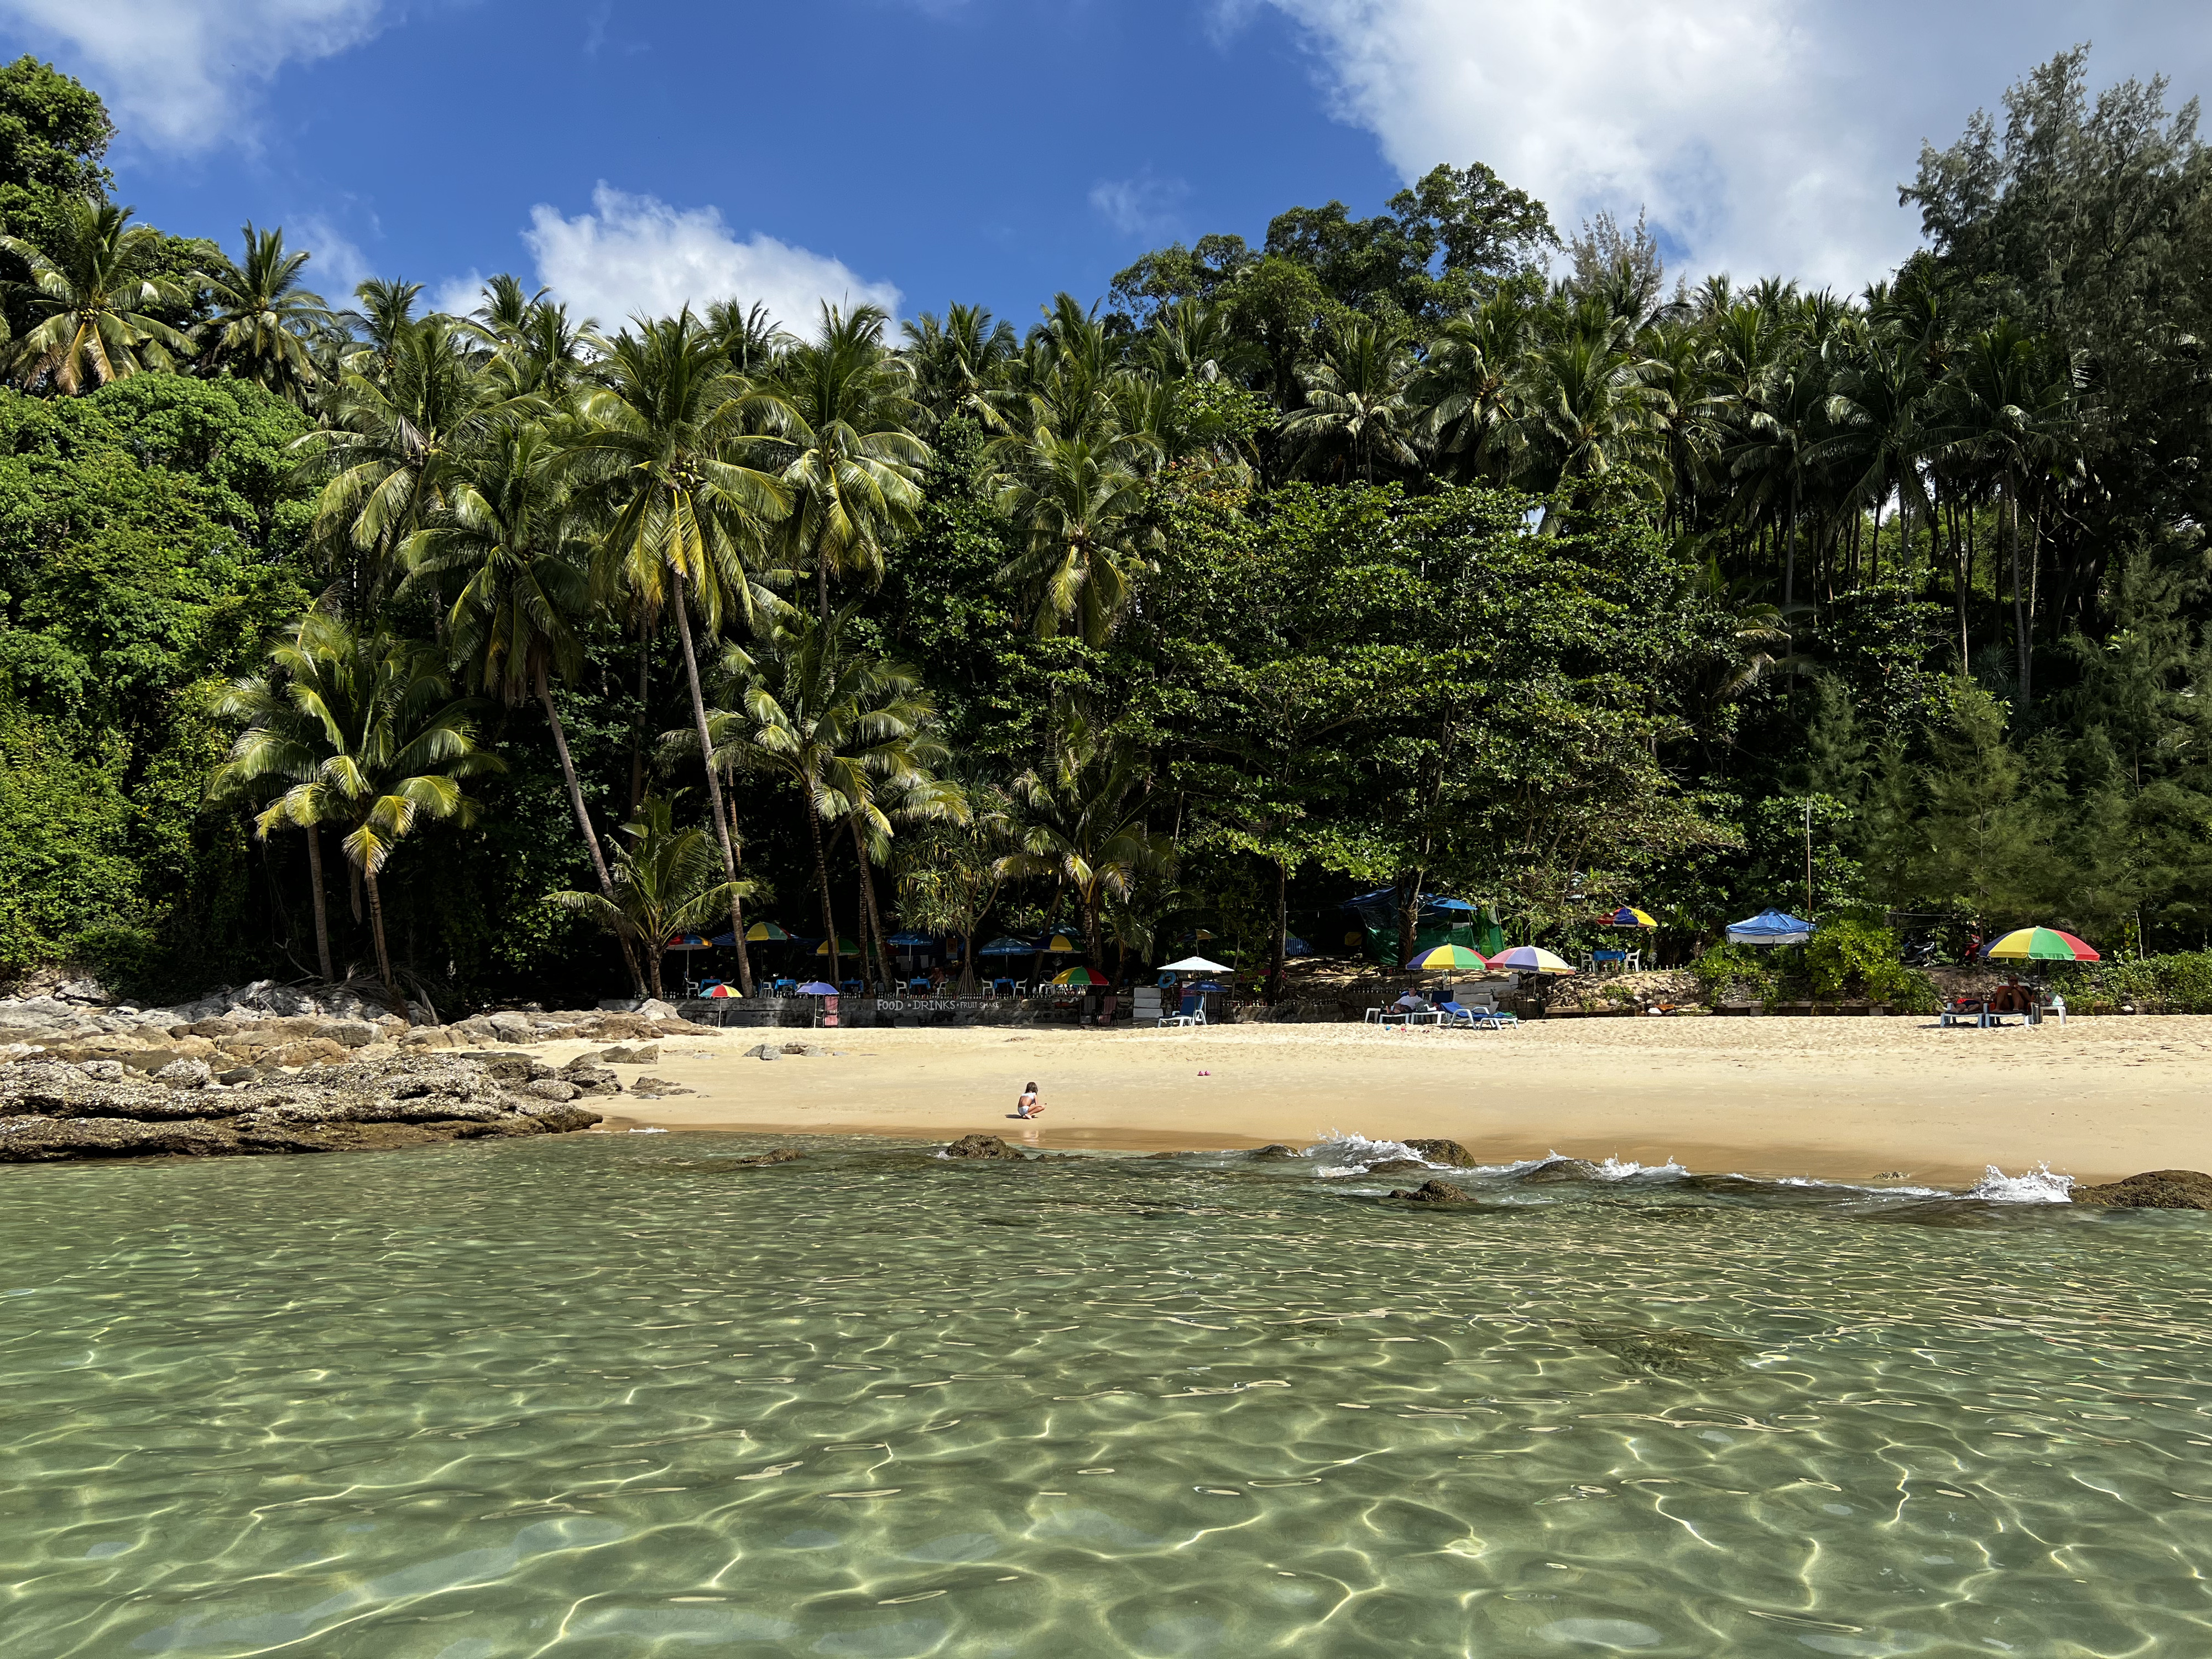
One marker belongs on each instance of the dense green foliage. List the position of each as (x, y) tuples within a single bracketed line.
[(1426, 550)]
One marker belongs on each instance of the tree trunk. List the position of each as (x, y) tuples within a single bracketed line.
[(322, 909), (1409, 914), (653, 959), (1282, 931), (821, 586), (584, 820), (871, 918), (745, 955), (821, 882), (644, 717), (376, 926), (967, 982), (1094, 937), (706, 751), (1789, 550), (2020, 642)]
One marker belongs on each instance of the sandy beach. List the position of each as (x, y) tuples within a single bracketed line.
[(1841, 1099)]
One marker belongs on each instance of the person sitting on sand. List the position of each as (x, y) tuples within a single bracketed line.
[(1028, 1105)]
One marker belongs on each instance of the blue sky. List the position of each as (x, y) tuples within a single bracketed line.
[(994, 150)]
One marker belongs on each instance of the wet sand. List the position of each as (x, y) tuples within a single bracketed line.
[(1841, 1099)]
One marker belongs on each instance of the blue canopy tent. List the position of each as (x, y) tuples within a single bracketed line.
[(1440, 921), (1770, 927), (1009, 947), (911, 941), (1295, 946)]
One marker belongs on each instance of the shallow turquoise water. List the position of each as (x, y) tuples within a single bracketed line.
[(613, 1396)]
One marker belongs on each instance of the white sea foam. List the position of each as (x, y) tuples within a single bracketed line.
[(648, 1132), (2036, 1186)]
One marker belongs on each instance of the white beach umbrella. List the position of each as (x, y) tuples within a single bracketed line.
[(1195, 965)]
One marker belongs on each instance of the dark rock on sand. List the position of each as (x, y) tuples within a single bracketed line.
[(2155, 1189), (982, 1146), (50, 1111), (642, 1053), (1435, 1192), (653, 1088), (1444, 1151)]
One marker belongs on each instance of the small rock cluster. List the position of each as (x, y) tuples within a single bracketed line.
[(52, 1109)]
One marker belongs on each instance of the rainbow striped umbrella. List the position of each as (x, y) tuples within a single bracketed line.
[(1079, 976), (766, 932), (1446, 957), (720, 991), (689, 942), (1628, 916), (2039, 945), (1529, 959)]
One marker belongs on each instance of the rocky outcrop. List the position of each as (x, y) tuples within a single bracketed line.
[(52, 1110), (1392, 1165), (2155, 1189), (982, 1146), (1443, 1152), (1274, 1150), (654, 1088), (763, 1160), (1434, 1192)]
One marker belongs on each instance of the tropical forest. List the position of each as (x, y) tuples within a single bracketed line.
[(1426, 548)]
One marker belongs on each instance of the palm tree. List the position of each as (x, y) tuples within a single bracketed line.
[(842, 419), (960, 364), (2008, 407), (663, 885), (404, 414), (1357, 415), (688, 519), (847, 730), (94, 293), (369, 729), (1469, 389), (1078, 505), (264, 320), (1081, 824), (1589, 397), (509, 530)]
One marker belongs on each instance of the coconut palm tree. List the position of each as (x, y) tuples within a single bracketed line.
[(842, 418), (1469, 391), (1079, 505), (369, 730), (1080, 822), (1358, 416), (510, 532), (662, 443), (663, 885), (94, 293), (265, 322), (847, 729), (960, 365)]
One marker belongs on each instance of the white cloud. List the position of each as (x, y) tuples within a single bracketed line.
[(1735, 121), (181, 74), (1143, 206), (636, 254), (337, 265)]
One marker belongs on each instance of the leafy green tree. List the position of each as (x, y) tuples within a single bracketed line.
[(664, 886), (93, 297), (54, 132)]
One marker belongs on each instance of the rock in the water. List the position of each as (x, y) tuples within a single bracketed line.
[(2155, 1189), (185, 1074), (981, 1146), (1275, 1150), (762, 1160), (1444, 1151), (1435, 1192), (652, 1088), (1392, 1165)]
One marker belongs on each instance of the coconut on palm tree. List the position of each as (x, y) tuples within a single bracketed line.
[(94, 293)]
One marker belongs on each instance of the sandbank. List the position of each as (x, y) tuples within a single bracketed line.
[(1838, 1099)]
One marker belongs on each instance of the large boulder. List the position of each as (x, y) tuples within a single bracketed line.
[(347, 1033), (986, 1146), (2155, 1189), (1444, 1151), (1434, 1192)]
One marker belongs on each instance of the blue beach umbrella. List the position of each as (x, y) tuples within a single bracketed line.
[(814, 987)]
